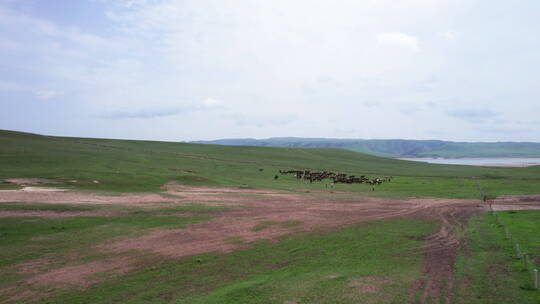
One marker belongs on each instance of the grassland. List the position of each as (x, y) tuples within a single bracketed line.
[(61, 234), (46, 243), (336, 267), (381, 261), (488, 270), (144, 166)]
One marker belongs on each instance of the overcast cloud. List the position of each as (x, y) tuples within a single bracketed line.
[(203, 69)]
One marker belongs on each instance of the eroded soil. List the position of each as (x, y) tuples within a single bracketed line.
[(516, 202)]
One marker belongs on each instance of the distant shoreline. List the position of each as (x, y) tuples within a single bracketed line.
[(479, 161)]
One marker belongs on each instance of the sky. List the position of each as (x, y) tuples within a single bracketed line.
[(180, 70)]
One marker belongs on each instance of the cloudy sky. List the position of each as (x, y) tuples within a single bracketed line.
[(206, 69)]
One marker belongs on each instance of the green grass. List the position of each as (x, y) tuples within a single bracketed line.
[(318, 267), (524, 225), (263, 225), (6, 186), (267, 224), (184, 208), (59, 235), (144, 166), (46, 207), (164, 208), (291, 223), (487, 270)]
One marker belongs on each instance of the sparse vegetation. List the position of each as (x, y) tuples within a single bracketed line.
[(60, 235), (318, 267), (46, 207), (264, 225), (183, 208)]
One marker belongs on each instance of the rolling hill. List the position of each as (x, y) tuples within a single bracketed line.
[(145, 166), (397, 147), (260, 240)]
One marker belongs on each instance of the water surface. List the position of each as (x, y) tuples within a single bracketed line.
[(498, 162)]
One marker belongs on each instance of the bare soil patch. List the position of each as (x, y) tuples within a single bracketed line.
[(45, 195), (369, 284), (442, 249), (175, 187), (41, 189), (516, 202), (81, 275), (173, 192), (33, 266), (32, 181)]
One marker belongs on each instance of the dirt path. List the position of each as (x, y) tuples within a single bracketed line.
[(516, 202), (172, 193), (442, 249)]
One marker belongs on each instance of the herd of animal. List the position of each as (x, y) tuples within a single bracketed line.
[(314, 176)]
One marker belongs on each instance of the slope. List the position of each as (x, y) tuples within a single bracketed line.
[(138, 166)]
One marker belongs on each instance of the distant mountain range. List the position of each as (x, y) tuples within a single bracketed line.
[(397, 147)]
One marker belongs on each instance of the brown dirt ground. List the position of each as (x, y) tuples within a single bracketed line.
[(369, 284), (72, 197), (277, 208), (81, 275), (31, 181), (516, 202), (172, 192)]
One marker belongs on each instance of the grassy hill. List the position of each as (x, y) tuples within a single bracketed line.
[(367, 262), (399, 147), (131, 165)]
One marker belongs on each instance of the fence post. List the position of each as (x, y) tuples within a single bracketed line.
[(535, 278), (506, 232), (525, 261), (518, 252)]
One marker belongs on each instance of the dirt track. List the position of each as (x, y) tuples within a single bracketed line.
[(283, 213)]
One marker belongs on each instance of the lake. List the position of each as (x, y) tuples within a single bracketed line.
[(497, 162)]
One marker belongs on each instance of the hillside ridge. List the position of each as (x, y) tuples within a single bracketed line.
[(395, 147)]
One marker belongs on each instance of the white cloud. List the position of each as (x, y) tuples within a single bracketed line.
[(212, 103), (449, 35), (398, 39), (47, 94), (352, 62)]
